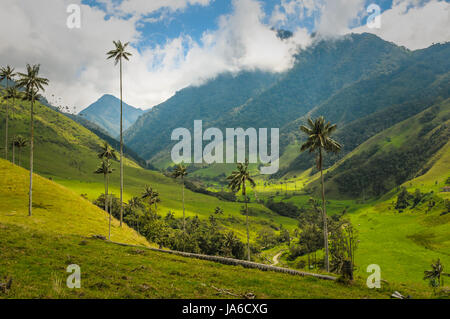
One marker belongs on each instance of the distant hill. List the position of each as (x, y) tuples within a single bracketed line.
[(370, 106), (101, 133), (320, 72), (66, 152), (106, 113), (401, 153), (208, 102)]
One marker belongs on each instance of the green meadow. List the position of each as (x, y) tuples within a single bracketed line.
[(36, 251), (403, 244)]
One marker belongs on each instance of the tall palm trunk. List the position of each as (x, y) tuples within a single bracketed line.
[(13, 142), (121, 148), (246, 216), (30, 193), (6, 125), (105, 178), (18, 155), (324, 213), (107, 208), (184, 215)]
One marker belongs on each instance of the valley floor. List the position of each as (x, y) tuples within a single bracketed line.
[(37, 263)]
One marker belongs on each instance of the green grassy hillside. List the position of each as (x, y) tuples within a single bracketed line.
[(392, 157), (111, 271), (36, 251), (66, 152), (57, 211), (405, 242)]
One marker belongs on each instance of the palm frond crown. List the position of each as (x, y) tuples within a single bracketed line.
[(239, 177), (119, 52), (104, 168), (319, 136), (180, 171), (7, 73), (31, 80), (106, 151)]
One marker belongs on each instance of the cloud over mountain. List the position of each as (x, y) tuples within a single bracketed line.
[(75, 61)]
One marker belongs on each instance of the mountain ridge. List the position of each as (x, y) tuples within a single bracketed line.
[(105, 112)]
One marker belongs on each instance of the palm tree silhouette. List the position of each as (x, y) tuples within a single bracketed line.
[(238, 179), (7, 73), (434, 276), (133, 204), (152, 196), (19, 142), (105, 169), (32, 84), (319, 141), (108, 153), (181, 172), (118, 53), (11, 94)]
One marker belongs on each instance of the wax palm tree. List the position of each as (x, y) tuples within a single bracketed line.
[(105, 169), (434, 276), (180, 171), (106, 151), (237, 180), (118, 54), (152, 196), (132, 207), (12, 93), (32, 84), (135, 202), (19, 142), (7, 73), (155, 199), (319, 141)]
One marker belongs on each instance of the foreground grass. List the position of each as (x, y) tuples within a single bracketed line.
[(403, 245), (35, 252), (37, 264)]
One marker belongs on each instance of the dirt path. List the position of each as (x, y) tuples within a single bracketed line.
[(276, 258)]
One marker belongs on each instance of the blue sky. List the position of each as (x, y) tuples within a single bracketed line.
[(194, 20), (179, 43)]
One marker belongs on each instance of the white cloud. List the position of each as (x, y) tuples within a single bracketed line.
[(330, 17), (75, 60), (144, 7), (337, 17), (414, 25)]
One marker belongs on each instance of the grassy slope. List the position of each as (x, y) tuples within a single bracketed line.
[(36, 251), (56, 209), (392, 139), (439, 172), (124, 272), (60, 142), (405, 244)]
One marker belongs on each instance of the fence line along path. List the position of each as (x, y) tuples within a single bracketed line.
[(233, 262)]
